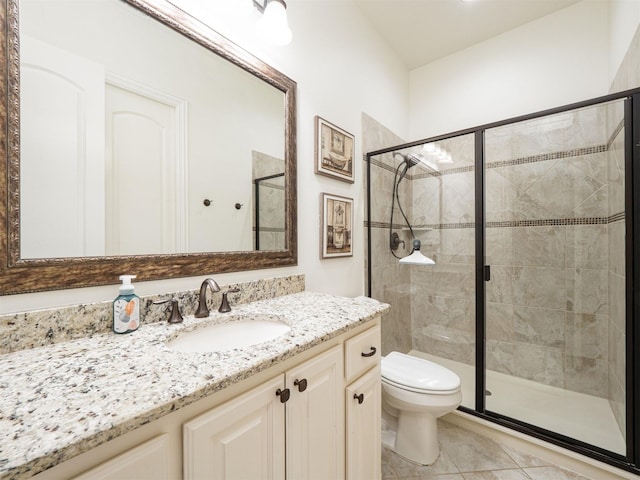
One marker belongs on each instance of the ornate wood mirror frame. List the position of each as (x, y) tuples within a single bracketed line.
[(28, 275)]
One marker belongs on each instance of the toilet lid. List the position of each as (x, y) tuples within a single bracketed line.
[(417, 374)]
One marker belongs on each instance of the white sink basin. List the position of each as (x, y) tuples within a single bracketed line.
[(237, 333)]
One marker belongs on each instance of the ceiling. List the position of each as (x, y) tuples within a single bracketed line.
[(421, 31)]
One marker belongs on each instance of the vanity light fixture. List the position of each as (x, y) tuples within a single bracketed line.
[(416, 257), (273, 27)]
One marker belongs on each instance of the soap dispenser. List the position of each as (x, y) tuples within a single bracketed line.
[(126, 307)]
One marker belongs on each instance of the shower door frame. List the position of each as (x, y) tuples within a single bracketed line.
[(631, 461)]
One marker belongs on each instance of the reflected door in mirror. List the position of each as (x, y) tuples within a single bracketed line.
[(62, 147)]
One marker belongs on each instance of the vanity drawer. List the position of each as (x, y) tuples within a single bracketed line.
[(361, 353)]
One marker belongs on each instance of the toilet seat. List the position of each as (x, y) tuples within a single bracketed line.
[(418, 375)]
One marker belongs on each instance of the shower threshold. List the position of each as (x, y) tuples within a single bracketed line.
[(584, 417)]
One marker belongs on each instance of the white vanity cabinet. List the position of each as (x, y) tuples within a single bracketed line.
[(363, 427), (245, 431), (363, 406), (315, 418), (243, 438), (295, 419), (147, 461)]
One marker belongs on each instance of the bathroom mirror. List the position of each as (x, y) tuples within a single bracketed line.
[(138, 141)]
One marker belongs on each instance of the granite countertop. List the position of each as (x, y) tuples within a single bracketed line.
[(62, 400)]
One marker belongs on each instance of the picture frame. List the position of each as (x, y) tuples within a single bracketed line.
[(336, 226), (334, 151)]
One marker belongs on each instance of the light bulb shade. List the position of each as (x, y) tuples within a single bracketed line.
[(273, 27)]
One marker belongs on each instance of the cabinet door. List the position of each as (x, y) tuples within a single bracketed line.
[(241, 439), (363, 427), (315, 418), (146, 461)]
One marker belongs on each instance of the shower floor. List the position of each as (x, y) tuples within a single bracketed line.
[(584, 417)]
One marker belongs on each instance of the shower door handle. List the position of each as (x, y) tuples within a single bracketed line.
[(487, 273)]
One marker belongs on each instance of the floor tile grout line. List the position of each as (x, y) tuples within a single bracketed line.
[(443, 449)]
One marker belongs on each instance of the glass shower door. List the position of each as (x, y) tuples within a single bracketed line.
[(555, 243)]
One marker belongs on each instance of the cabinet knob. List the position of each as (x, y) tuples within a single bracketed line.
[(371, 353), (360, 398), (283, 394), (301, 384)]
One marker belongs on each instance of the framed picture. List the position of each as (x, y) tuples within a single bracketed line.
[(334, 151), (336, 226)]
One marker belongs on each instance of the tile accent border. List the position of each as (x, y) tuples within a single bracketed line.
[(554, 222), (272, 185), (616, 217), (507, 163), (271, 229), (548, 156)]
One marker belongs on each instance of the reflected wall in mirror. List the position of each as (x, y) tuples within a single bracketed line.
[(136, 136)]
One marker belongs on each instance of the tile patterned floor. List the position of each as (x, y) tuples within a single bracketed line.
[(465, 455)]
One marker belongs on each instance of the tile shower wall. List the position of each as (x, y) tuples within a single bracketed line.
[(432, 308), (443, 215), (391, 283), (616, 364), (547, 244), (628, 76)]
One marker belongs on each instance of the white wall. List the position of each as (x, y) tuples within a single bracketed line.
[(624, 19), (342, 68), (558, 59)]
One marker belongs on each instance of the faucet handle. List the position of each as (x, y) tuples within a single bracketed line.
[(224, 306), (176, 316)]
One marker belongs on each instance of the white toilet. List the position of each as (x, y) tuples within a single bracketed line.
[(415, 392)]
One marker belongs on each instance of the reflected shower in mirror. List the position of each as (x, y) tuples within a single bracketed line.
[(268, 200)]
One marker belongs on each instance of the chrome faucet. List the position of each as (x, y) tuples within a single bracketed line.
[(202, 310)]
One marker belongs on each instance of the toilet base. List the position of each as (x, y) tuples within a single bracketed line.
[(417, 438)]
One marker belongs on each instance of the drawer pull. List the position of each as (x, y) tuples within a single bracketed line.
[(301, 384), (283, 394), (360, 398), (371, 353)]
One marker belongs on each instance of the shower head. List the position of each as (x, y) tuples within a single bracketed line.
[(413, 159), (409, 160)]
